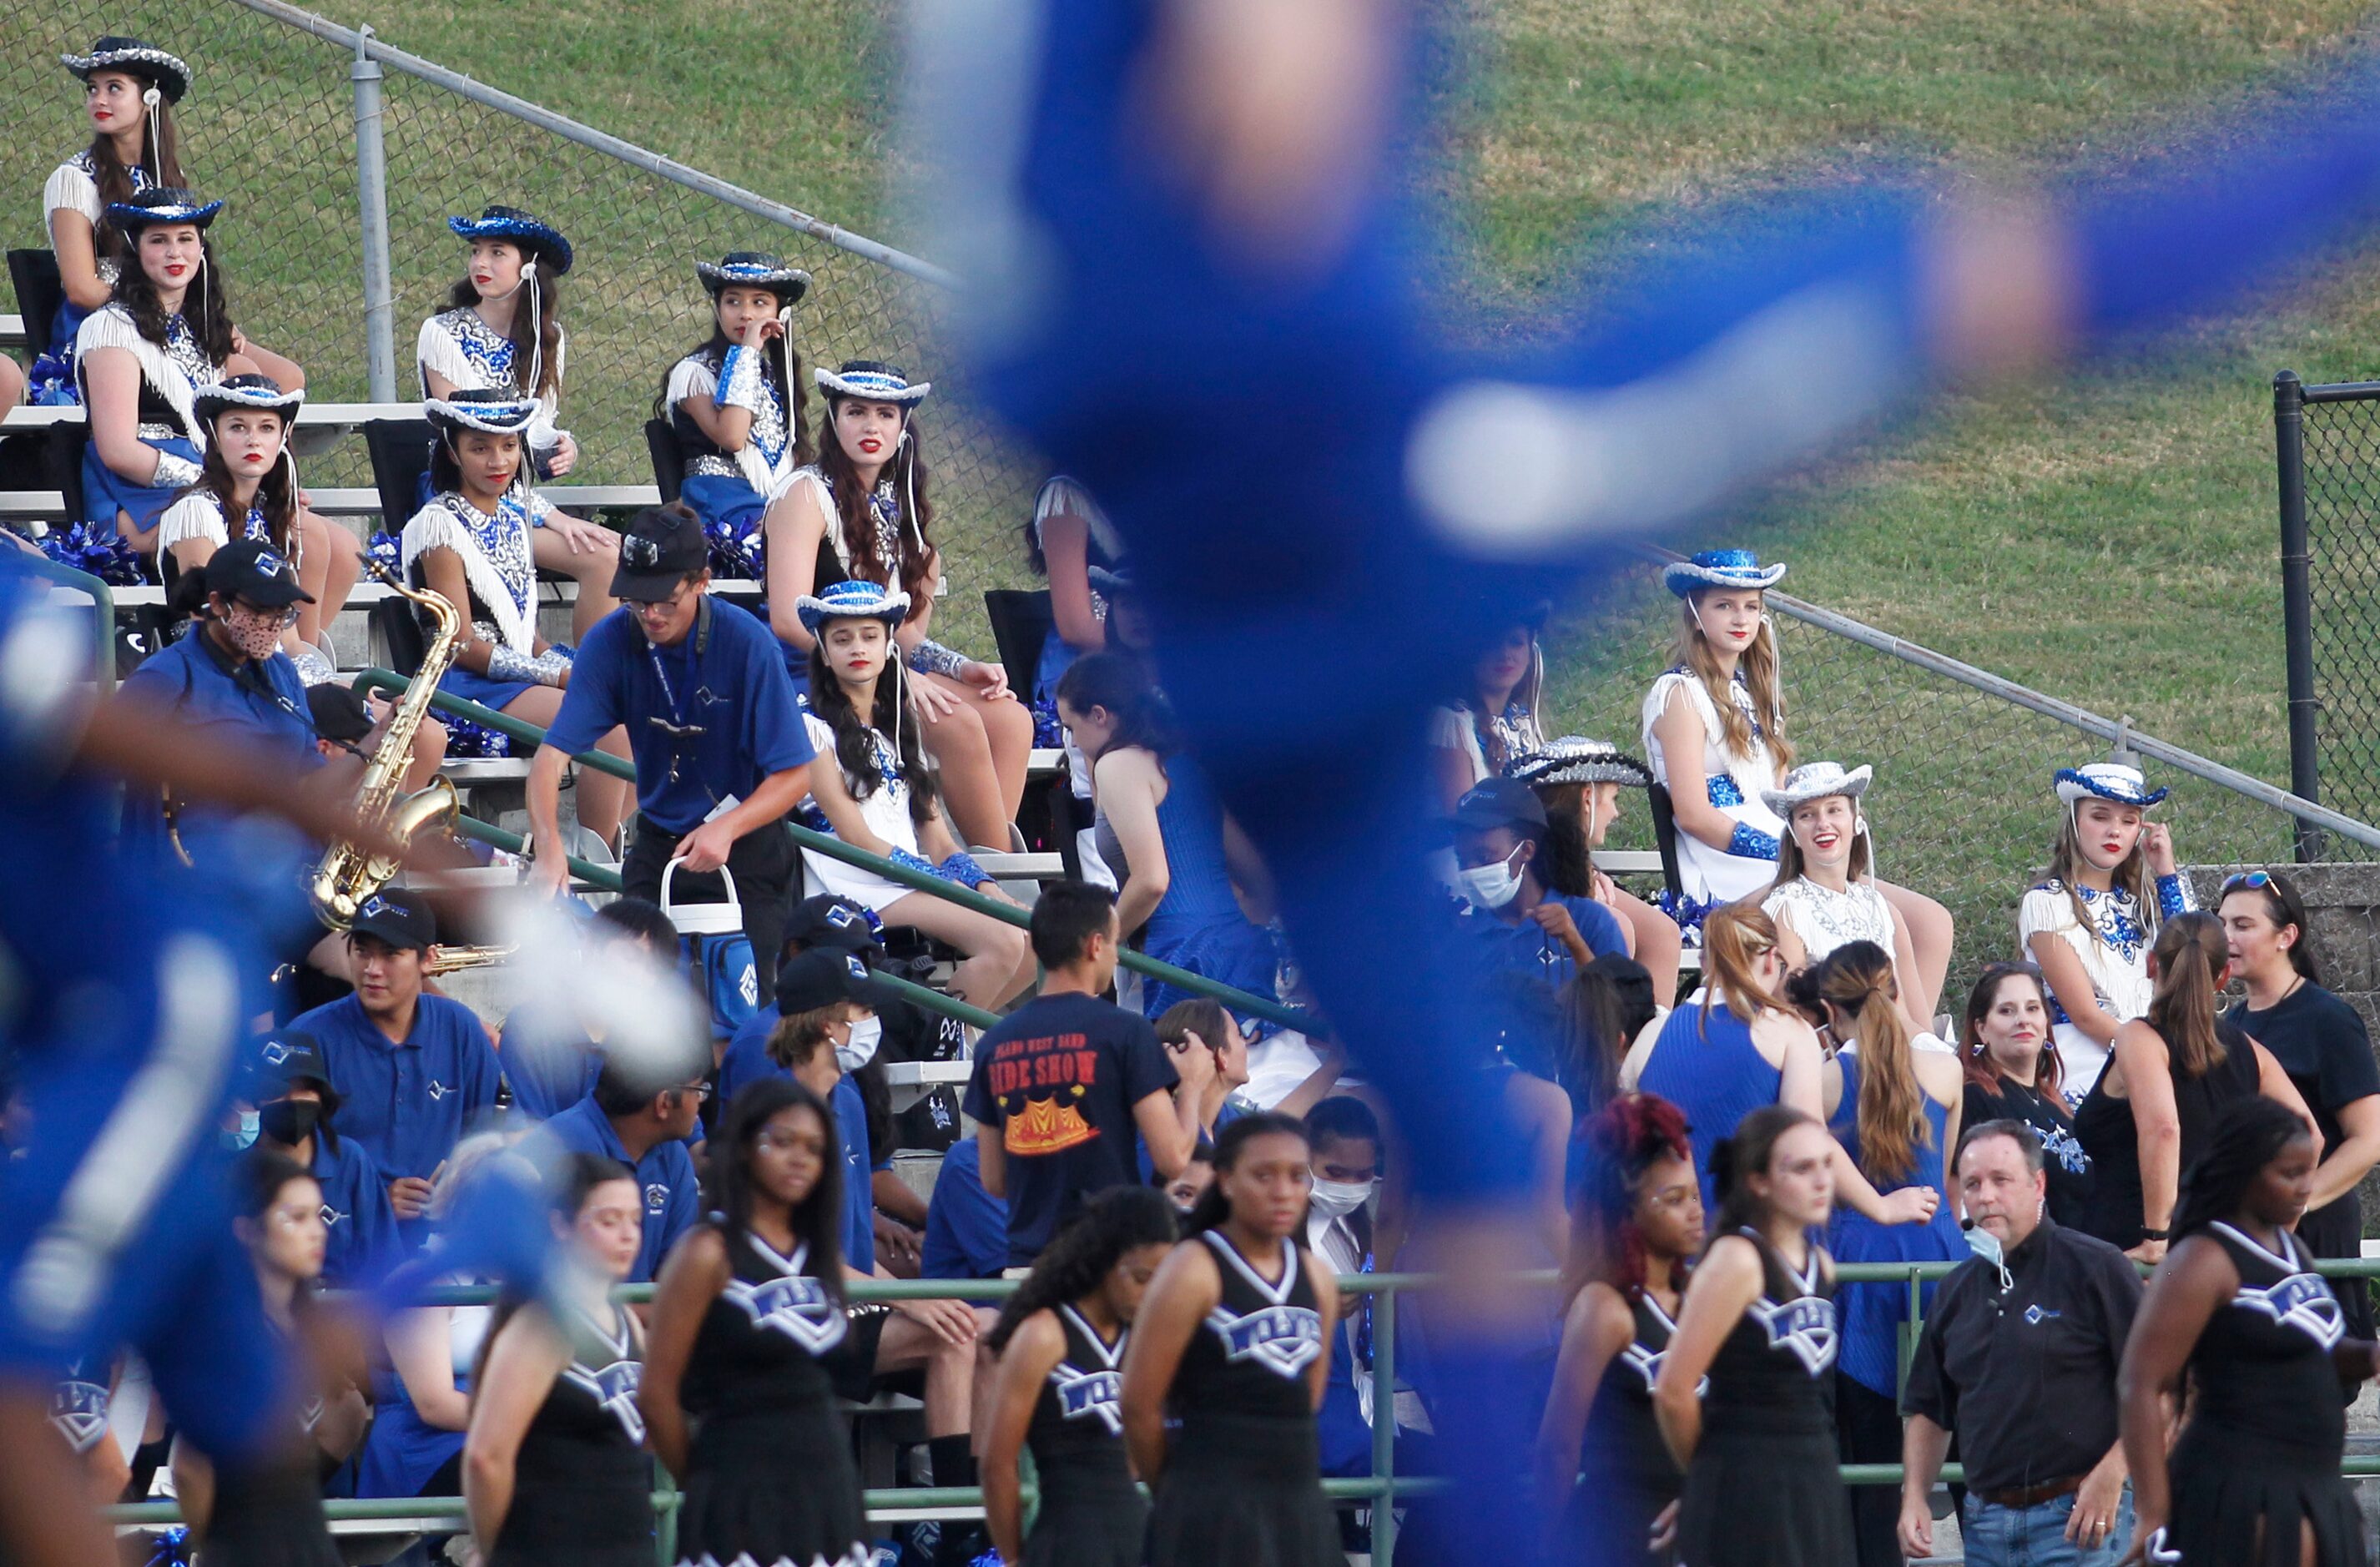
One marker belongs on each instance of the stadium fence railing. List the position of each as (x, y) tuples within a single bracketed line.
[(896, 1505)]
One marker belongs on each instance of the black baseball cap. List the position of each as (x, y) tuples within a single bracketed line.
[(1498, 802), (339, 713), (829, 921), (291, 1056), (663, 547), (400, 919), (824, 975), (252, 570)]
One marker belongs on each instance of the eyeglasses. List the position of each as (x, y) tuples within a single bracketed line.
[(2258, 880), (700, 1091), (286, 616)]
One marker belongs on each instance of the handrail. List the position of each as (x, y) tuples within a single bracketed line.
[(835, 848), (103, 603), (605, 877)]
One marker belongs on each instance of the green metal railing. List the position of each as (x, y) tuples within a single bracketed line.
[(1239, 1001), (1384, 1482), (102, 601)]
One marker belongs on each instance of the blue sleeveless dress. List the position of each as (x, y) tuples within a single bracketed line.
[(1715, 1075), (1199, 925), (1873, 1314)]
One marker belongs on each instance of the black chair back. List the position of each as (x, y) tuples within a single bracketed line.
[(669, 463), (400, 633), (399, 449), (40, 294), (1665, 836), (1021, 622), (62, 449)]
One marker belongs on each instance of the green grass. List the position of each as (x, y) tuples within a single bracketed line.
[(2107, 535)]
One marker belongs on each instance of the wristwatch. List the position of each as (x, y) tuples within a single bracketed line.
[(2149, 1234)]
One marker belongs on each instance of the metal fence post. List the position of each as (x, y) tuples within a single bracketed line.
[(2297, 603), (1384, 1424), (371, 186)]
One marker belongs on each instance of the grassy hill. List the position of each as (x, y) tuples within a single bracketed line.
[(2107, 536)]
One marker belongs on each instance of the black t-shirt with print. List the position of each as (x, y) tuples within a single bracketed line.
[(1059, 1077)]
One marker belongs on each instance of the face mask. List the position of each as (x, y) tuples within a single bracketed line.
[(860, 1049), (257, 637), (289, 1122), (245, 1135), (1986, 1245), (1490, 887), (1336, 1199)]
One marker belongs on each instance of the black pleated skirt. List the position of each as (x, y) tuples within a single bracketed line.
[(2226, 1490), (1243, 1492), (1766, 1498), (1103, 1522), (777, 1486), (271, 1518)]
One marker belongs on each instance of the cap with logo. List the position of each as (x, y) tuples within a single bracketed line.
[(824, 975), (399, 918)]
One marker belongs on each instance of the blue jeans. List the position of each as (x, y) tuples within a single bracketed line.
[(2035, 1535)]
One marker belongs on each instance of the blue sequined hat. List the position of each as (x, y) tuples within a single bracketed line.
[(1719, 568), (753, 269), (872, 381), (2108, 780), (855, 600), (169, 74), (162, 204), (258, 394), (510, 223), (486, 409)]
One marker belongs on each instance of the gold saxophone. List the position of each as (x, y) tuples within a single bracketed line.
[(348, 876)]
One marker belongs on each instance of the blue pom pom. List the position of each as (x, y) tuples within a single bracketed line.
[(386, 550), (735, 552), (1049, 734)]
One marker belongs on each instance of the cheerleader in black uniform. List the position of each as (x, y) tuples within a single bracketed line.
[(1758, 1443), (748, 1305), (1634, 1232), (1060, 1339), (2253, 1480), (555, 1468), (1234, 1341)]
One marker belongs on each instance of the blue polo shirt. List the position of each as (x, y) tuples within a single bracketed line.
[(673, 1190), (364, 1242), (550, 1065), (732, 686), (406, 1105), (858, 1170), (745, 1060), (1489, 946), (257, 707), (966, 1227)]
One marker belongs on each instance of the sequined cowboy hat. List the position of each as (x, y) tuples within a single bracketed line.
[(1575, 760), (540, 238), (872, 381), (257, 393), (1719, 568), (488, 410), (753, 269), (856, 600), (2108, 780), (162, 204), (169, 74), (1815, 781)]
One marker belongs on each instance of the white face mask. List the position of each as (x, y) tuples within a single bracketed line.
[(860, 1049), (1490, 887), (1336, 1199)]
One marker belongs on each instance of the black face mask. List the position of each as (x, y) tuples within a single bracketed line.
[(289, 1122)]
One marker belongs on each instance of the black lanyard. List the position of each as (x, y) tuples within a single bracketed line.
[(677, 725)]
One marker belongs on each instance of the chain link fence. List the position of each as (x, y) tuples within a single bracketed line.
[(1962, 807), (269, 128), (2329, 451)]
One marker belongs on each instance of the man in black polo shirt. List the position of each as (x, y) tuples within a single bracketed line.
[(2018, 1358)]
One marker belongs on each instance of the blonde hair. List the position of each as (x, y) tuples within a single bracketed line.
[(1759, 666), (2190, 953), (1857, 977), (1733, 939), (2131, 875)]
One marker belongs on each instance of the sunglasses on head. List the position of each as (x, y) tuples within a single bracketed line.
[(2257, 879)]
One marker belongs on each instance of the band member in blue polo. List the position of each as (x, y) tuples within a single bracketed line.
[(720, 748)]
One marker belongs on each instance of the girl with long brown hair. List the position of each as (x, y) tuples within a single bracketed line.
[(2113, 879), (129, 92), (2012, 1076), (1895, 1109), (1578, 781), (2153, 1107), (736, 405), (1636, 1229), (1480, 731), (862, 512), (502, 331)]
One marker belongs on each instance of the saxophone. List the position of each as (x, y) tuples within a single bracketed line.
[(348, 876)]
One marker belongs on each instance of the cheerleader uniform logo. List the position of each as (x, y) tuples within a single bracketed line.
[(1804, 1326), (2302, 1301), (613, 1389), (796, 1307), (79, 1412), (1281, 1339), (1647, 1364), (1090, 1395)]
